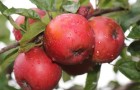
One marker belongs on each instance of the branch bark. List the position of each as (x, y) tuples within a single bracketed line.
[(9, 47), (99, 12)]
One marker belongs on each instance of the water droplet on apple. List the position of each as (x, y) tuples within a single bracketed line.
[(53, 59), (97, 53), (112, 56), (93, 46), (106, 37)]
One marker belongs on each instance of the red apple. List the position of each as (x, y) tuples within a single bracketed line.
[(83, 10), (78, 69), (21, 19), (35, 71), (86, 11), (69, 39), (109, 39)]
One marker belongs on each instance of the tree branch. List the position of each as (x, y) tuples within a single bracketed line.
[(99, 12), (9, 47)]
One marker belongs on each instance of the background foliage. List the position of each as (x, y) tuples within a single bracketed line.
[(129, 19)]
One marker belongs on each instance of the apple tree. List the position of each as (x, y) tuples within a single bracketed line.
[(66, 38)]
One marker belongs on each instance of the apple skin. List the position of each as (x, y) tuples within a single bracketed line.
[(78, 69), (21, 19), (35, 71), (69, 39), (109, 39)]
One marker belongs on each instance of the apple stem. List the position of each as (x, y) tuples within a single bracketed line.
[(50, 16)]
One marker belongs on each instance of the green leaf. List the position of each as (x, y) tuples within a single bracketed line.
[(113, 3), (57, 5), (66, 77), (138, 65), (8, 60), (34, 30), (4, 83), (129, 69), (21, 11), (124, 53), (135, 33), (2, 7), (48, 5), (76, 87), (27, 47), (92, 79), (117, 64), (4, 31), (71, 6), (113, 85), (131, 17), (46, 19), (134, 48), (43, 4), (84, 2)]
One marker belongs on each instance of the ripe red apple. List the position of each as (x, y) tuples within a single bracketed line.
[(86, 11), (109, 39), (78, 69), (35, 71), (21, 19), (83, 10), (69, 39)]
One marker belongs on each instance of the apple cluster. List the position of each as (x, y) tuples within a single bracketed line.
[(71, 43)]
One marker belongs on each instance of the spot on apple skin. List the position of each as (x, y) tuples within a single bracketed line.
[(93, 46), (114, 34), (78, 52), (26, 86), (97, 53)]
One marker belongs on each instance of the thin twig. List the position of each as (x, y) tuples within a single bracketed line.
[(9, 47), (98, 12)]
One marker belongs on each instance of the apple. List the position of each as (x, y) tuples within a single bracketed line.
[(78, 69), (35, 71), (109, 39), (83, 10), (75, 0), (69, 39), (86, 11), (21, 19)]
